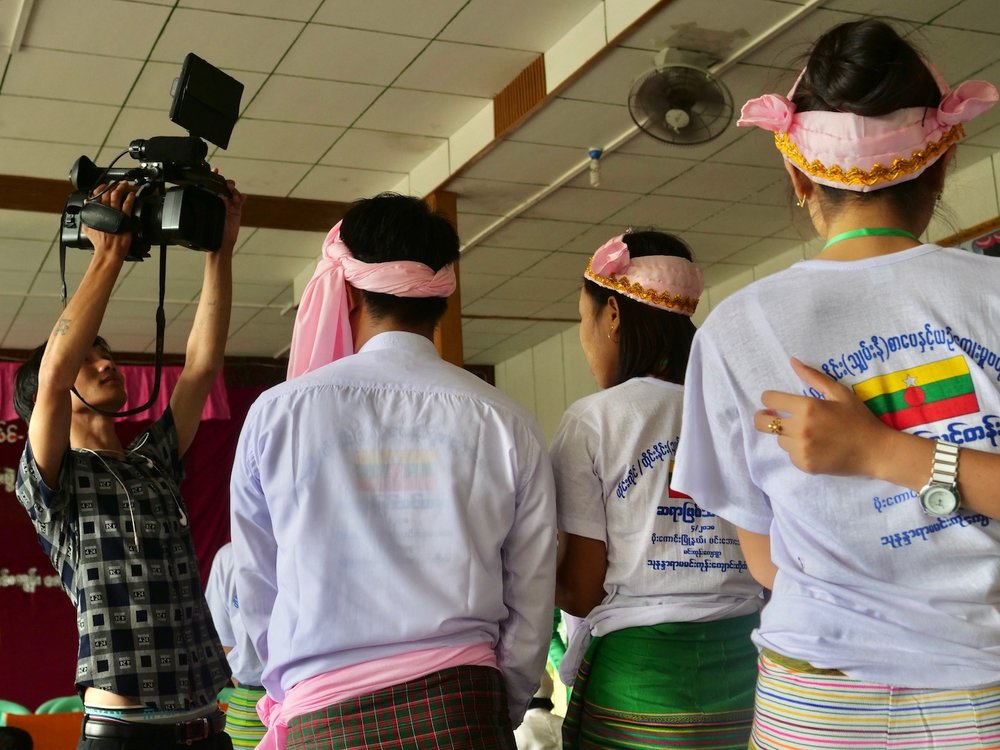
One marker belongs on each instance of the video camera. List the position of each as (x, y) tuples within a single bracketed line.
[(206, 103)]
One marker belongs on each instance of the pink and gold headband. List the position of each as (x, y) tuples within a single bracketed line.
[(855, 152), (322, 331), (664, 281)]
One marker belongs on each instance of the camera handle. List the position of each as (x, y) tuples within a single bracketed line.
[(161, 324)]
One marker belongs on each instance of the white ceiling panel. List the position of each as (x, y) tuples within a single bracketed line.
[(261, 177), (511, 161), (475, 285), (420, 112), (570, 122), (710, 248), (630, 173), (152, 90), (763, 250), (147, 287), (265, 269), (487, 196), (502, 307), (133, 123), (571, 203), (28, 225), (282, 243), (468, 69), (470, 225), (755, 149), (281, 141), (293, 10), (424, 19), (559, 266), (958, 53), (48, 120), (547, 290), (516, 24), (503, 261), (311, 100), (569, 311), (350, 55), (922, 11), (593, 238), (675, 214), (787, 50), (22, 255), (980, 15), (59, 24), (719, 272), (39, 158), (374, 149), (747, 220), (344, 183), (485, 325), (225, 39), (611, 79), (727, 182), (70, 76), (537, 234)]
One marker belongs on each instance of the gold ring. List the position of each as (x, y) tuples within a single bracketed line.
[(774, 426)]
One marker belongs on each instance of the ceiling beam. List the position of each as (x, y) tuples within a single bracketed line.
[(264, 211)]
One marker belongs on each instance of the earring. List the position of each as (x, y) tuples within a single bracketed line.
[(611, 333), (801, 202)]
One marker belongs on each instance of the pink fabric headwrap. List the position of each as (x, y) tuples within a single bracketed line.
[(664, 281), (854, 152), (322, 332)]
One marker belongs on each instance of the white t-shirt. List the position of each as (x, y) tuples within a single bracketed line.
[(220, 593), (867, 582), (668, 560)]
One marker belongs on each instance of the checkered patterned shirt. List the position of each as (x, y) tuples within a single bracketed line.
[(145, 630)]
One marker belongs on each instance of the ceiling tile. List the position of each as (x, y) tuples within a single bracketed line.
[(710, 248), (756, 149), (980, 15), (569, 203), (424, 19), (147, 287), (265, 269), (727, 182), (663, 213), (293, 10), (475, 285), (559, 266), (908, 10), (310, 100), (471, 225), (503, 261), (748, 220), (33, 322), (488, 196), (344, 184), (59, 24), (353, 55), (489, 306), (70, 76), (516, 24), (284, 243), (611, 79), (958, 53), (779, 193), (534, 288), (133, 123), (24, 255), (39, 159), (720, 272), (570, 122), (488, 325), (479, 341), (261, 177), (468, 69), (420, 112), (537, 234), (281, 141), (226, 40), (525, 162), (633, 173), (762, 251), (568, 311), (789, 48), (593, 238), (18, 282), (48, 120), (373, 149)]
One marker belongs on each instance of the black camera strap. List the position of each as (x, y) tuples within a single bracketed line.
[(161, 324)]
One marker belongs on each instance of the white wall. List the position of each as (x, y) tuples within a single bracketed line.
[(553, 374)]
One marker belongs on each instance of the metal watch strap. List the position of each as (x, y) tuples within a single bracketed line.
[(944, 468)]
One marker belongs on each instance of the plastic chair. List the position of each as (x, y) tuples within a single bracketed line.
[(64, 704), (10, 707)]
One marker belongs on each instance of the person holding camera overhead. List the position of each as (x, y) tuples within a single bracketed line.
[(111, 518)]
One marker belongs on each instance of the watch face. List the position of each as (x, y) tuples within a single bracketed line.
[(939, 500)]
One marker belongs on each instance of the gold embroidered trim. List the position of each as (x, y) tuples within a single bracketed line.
[(879, 172), (686, 305)]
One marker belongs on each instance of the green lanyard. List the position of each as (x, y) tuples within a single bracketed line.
[(870, 232)]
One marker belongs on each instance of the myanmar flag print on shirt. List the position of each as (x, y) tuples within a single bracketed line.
[(920, 395)]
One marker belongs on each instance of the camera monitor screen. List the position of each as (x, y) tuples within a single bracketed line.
[(206, 101)]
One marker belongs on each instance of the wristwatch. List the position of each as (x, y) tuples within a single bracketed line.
[(939, 497)]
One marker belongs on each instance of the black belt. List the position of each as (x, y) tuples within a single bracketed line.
[(258, 688), (182, 732)]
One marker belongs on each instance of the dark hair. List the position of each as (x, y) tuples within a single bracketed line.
[(396, 227), (15, 738), (26, 380), (867, 68), (652, 341)]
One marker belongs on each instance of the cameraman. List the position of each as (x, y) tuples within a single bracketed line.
[(111, 519)]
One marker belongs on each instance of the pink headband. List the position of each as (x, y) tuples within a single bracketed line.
[(860, 153), (674, 284), (322, 332)]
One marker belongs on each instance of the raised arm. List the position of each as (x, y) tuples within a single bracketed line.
[(839, 435), (71, 339), (206, 346)]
